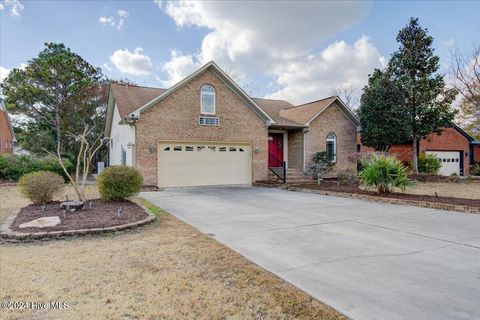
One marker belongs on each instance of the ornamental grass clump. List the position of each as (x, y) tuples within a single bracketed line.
[(41, 186), (384, 173), (119, 182)]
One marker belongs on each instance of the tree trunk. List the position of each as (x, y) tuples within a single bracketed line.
[(414, 155)]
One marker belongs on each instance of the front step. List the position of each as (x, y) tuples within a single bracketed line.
[(294, 175)]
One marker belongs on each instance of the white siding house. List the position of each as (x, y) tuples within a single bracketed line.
[(122, 141)]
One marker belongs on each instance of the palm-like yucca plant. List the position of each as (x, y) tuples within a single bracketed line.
[(384, 173)]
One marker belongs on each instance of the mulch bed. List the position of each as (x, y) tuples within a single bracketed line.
[(102, 215), (423, 177), (355, 188)]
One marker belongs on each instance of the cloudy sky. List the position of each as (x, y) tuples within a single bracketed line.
[(298, 51)]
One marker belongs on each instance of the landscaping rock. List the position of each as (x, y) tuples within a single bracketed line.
[(71, 205), (41, 222)]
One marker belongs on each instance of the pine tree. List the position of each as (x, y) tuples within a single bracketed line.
[(426, 101)]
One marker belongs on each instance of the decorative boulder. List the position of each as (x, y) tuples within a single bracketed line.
[(71, 205), (41, 222)]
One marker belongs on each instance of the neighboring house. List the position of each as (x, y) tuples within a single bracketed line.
[(206, 130), (453, 146), (7, 137)]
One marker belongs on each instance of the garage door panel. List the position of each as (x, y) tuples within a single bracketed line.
[(450, 161), (195, 164)]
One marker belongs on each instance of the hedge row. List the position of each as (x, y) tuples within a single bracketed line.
[(12, 167)]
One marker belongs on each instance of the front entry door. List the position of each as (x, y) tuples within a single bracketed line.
[(275, 150)]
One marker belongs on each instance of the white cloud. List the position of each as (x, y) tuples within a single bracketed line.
[(273, 38), (122, 13), (178, 68), (107, 67), (3, 73), (338, 66), (159, 3), (134, 63), (113, 21), (106, 21), (15, 7)]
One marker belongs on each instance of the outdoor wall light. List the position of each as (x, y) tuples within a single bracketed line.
[(152, 148), (256, 149)]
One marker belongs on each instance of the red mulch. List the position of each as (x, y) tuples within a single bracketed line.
[(355, 188), (103, 214)]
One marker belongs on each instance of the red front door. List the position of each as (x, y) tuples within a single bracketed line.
[(275, 150)]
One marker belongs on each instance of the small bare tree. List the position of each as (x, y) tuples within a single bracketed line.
[(348, 95), (90, 143), (465, 69)]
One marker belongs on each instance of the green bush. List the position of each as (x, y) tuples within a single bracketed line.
[(475, 169), (347, 176), (384, 173), (119, 182), (322, 165), (429, 163), (12, 167), (41, 186)]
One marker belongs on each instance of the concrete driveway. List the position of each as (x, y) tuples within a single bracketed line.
[(368, 260)]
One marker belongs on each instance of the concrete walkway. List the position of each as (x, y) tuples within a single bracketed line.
[(368, 260)]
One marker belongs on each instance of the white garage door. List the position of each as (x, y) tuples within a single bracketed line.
[(200, 164), (450, 161)]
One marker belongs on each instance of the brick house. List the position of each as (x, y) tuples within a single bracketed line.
[(454, 147), (7, 137), (206, 130)]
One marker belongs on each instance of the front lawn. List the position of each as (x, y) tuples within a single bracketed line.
[(167, 270), (468, 189)]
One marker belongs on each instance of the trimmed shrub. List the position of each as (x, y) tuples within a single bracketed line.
[(41, 186), (429, 163), (322, 165), (475, 169), (12, 167), (119, 182), (384, 173), (347, 176)]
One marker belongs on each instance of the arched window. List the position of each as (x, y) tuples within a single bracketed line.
[(332, 147), (207, 100)]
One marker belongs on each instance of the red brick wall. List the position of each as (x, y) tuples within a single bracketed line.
[(176, 118), (6, 143), (449, 140), (476, 153)]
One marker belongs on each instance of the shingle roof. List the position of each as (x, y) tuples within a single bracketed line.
[(306, 112), (129, 98), (273, 109)]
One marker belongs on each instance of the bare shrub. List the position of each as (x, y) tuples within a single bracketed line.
[(41, 186)]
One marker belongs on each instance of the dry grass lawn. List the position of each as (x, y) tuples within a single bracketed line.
[(167, 270), (469, 189)]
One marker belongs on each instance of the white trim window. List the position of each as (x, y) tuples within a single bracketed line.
[(331, 147), (207, 99)]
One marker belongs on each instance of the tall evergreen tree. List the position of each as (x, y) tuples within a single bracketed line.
[(383, 122), (426, 100), (57, 90)]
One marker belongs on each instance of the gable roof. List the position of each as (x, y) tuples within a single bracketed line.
[(277, 113), (306, 113), (3, 109), (129, 98), (274, 108), (463, 133), (222, 76)]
